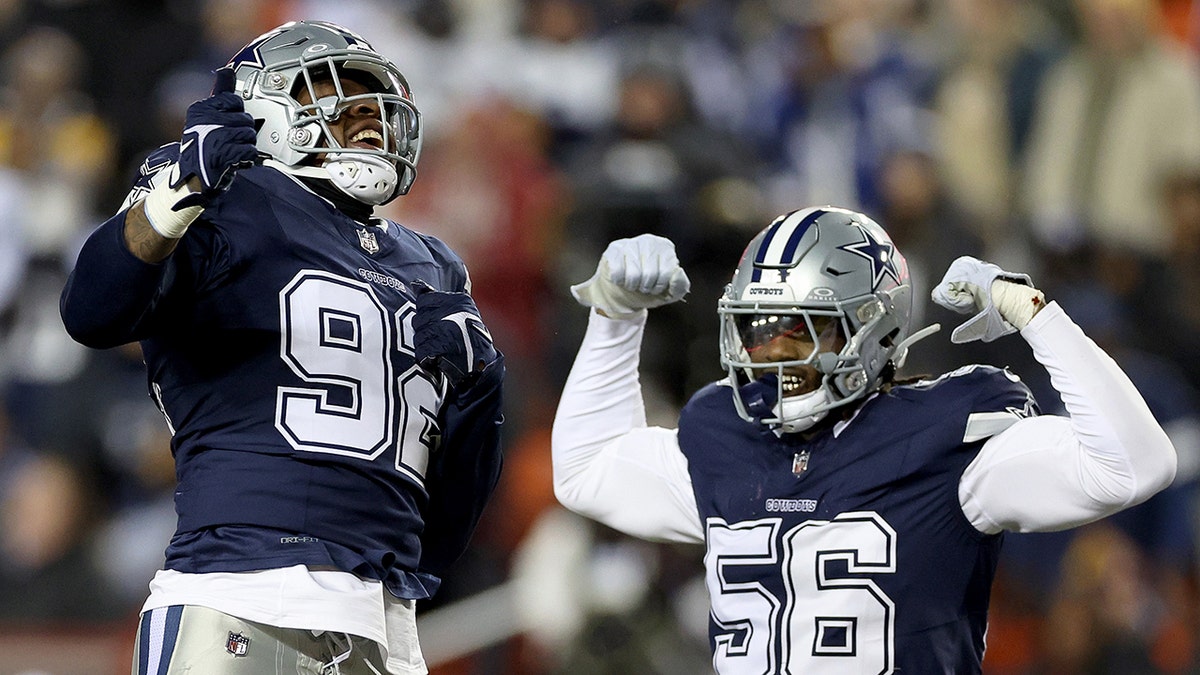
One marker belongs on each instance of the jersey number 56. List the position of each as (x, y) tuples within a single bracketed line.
[(824, 621)]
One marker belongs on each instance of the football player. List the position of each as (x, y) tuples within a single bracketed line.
[(333, 394), (852, 521)]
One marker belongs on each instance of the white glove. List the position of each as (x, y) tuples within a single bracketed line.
[(1005, 302), (634, 274)]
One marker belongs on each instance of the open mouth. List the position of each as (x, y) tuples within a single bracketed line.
[(368, 139), (795, 385)]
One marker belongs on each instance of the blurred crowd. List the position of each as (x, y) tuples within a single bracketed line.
[(1054, 137)]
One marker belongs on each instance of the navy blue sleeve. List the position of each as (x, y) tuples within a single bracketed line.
[(110, 291), (112, 298), (110, 294), (463, 473)]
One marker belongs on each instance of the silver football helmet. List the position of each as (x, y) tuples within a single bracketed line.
[(275, 67), (828, 275)]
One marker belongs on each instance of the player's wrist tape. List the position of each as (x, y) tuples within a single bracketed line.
[(159, 208), (1016, 302)]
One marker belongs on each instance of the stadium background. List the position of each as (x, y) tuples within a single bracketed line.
[(1060, 138)]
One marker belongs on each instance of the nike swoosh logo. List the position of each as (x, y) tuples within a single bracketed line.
[(185, 145)]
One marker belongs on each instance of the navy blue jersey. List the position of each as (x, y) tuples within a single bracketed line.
[(278, 343), (847, 552)]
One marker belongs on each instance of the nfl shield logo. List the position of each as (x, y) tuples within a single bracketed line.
[(237, 644), (366, 239)]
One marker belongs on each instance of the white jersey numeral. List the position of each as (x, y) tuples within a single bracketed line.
[(826, 623), (337, 338), (746, 610)]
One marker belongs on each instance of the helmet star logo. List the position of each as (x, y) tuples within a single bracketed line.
[(881, 254)]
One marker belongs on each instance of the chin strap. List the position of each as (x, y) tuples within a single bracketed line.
[(364, 178), (798, 413), (367, 178)]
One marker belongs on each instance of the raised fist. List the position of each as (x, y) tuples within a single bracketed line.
[(218, 138), (1003, 302), (634, 274), (449, 335)]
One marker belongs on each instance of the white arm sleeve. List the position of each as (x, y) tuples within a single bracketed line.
[(1052, 473), (608, 465)]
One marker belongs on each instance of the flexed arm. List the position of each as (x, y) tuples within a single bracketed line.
[(1051, 473), (608, 465)]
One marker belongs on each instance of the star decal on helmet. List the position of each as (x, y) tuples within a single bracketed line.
[(251, 54), (881, 254)]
